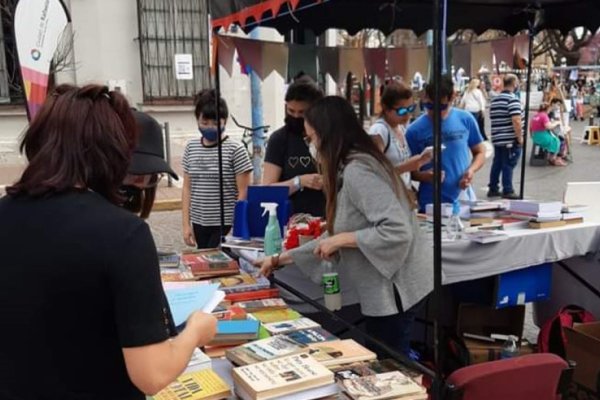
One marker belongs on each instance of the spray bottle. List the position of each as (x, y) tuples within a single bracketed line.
[(272, 230)]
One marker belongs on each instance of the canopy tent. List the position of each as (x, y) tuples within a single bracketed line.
[(418, 15), (388, 15)]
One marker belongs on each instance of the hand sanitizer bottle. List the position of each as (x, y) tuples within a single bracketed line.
[(331, 288), (455, 226), (272, 231)]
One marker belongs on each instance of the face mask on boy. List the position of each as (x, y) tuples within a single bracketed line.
[(210, 134)]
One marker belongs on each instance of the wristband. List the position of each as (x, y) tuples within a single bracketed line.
[(275, 262), (297, 183)]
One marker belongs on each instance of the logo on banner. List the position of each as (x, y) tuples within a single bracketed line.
[(36, 54)]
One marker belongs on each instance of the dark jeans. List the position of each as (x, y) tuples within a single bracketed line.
[(208, 237), (393, 330), (505, 161), (481, 123)]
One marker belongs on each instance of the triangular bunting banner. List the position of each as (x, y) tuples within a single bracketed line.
[(275, 58), (352, 60), (398, 63), (329, 62), (375, 61)]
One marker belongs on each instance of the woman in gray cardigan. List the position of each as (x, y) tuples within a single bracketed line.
[(372, 229)]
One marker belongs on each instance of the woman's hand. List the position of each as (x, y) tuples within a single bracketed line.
[(188, 236), (328, 248), (266, 266), (426, 156), (311, 181)]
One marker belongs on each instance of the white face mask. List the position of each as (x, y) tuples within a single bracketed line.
[(312, 149)]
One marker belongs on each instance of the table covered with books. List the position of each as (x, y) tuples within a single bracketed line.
[(263, 348)]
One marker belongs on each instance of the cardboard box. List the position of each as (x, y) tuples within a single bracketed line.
[(583, 347), (480, 351), (523, 286), (485, 320)]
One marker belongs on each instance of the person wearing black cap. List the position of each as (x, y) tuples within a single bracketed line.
[(147, 167)]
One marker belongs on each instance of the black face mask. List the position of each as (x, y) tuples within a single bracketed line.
[(132, 196), (294, 124)]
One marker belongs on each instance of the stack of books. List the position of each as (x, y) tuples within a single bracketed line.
[(242, 283), (540, 214), (210, 264), (235, 332), (298, 376)]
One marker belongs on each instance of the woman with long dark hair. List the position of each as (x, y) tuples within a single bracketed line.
[(80, 294), (372, 229)]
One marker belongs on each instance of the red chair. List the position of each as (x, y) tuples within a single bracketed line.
[(528, 377)]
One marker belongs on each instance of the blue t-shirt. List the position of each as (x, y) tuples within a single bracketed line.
[(460, 132)]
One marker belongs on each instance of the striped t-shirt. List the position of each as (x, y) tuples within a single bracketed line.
[(502, 108), (201, 163)]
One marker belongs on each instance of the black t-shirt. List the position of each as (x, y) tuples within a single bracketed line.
[(79, 281), (288, 151)]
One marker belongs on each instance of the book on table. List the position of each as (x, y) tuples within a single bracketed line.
[(374, 367), (311, 335), (253, 295), (264, 349), (210, 263), (545, 225), (270, 316), (168, 259), (275, 328), (388, 385), (535, 207), (242, 283), (486, 236), (340, 352), (290, 375), (199, 385), (262, 305), (198, 362), (235, 332)]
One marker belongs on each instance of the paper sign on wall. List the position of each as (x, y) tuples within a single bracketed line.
[(184, 67)]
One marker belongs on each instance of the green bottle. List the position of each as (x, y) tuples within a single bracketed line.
[(272, 231)]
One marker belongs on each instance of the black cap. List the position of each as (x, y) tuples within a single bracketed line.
[(149, 155)]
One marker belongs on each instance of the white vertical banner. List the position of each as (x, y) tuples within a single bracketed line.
[(39, 25), (184, 67)]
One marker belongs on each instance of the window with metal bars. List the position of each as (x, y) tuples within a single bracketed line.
[(169, 27), (11, 88)]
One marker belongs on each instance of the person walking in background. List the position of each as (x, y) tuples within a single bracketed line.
[(507, 138), (88, 305), (201, 207), (372, 230), (388, 131), (474, 102), (464, 152), (288, 161), (541, 133)]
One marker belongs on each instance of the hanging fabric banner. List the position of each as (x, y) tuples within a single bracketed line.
[(352, 60), (417, 61), (39, 25), (226, 53), (275, 58), (504, 51), (375, 61), (521, 51), (329, 62), (251, 55), (397, 62), (482, 57), (302, 60)]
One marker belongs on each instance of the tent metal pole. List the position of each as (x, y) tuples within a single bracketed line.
[(531, 34), (438, 15)]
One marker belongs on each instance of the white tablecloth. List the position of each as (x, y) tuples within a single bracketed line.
[(464, 260)]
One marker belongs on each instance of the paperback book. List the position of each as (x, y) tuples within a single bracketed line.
[(262, 305), (340, 352), (275, 328), (199, 385), (281, 377), (264, 349), (389, 385), (210, 263), (242, 283)]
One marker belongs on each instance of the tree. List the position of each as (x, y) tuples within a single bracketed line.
[(559, 45)]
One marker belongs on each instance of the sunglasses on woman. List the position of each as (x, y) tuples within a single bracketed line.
[(402, 111)]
